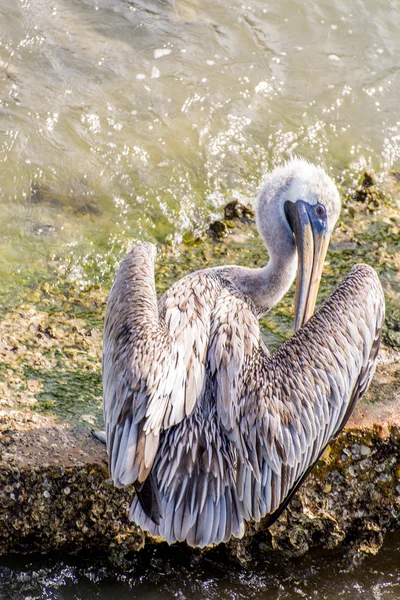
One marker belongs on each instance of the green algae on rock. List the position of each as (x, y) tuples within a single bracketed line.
[(50, 382)]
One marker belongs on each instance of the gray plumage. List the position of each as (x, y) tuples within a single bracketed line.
[(210, 428)]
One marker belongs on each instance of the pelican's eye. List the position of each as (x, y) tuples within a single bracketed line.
[(320, 210)]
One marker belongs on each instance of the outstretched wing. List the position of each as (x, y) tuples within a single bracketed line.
[(153, 363), (291, 404)]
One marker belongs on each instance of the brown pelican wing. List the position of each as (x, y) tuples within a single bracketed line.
[(234, 337), (295, 401), (153, 364)]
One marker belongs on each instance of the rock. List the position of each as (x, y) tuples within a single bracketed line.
[(365, 450), (90, 208), (64, 499), (368, 194), (43, 229), (39, 193), (391, 333), (217, 229), (236, 210), (367, 180), (79, 200), (50, 381)]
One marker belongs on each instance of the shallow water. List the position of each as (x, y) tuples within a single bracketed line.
[(165, 573), (124, 120)]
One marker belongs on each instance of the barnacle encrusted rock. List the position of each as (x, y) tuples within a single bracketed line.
[(55, 492)]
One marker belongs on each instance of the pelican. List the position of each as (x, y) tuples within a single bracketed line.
[(210, 428)]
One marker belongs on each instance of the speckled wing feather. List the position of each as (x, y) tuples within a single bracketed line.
[(153, 363), (234, 339), (195, 468), (195, 474), (295, 401)]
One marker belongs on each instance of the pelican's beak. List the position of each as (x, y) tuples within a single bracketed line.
[(312, 239)]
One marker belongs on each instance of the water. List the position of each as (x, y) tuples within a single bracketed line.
[(154, 575), (125, 120)]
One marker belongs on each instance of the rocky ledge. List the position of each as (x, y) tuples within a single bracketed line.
[(55, 492)]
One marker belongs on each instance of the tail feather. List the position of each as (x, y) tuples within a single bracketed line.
[(192, 491), (215, 522), (138, 515), (149, 498)]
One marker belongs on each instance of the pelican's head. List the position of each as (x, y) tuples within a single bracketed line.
[(299, 204)]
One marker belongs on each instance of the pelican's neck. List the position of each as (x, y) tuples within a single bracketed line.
[(266, 286)]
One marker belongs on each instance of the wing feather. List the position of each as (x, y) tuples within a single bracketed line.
[(300, 397), (234, 336), (354, 316), (153, 360)]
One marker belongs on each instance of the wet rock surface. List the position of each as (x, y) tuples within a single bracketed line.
[(234, 211), (368, 193), (55, 492)]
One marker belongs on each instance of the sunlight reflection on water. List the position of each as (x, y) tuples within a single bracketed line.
[(139, 119)]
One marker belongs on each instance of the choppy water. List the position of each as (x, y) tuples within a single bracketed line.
[(167, 573), (125, 119)]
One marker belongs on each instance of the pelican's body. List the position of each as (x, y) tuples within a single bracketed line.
[(210, 428)]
